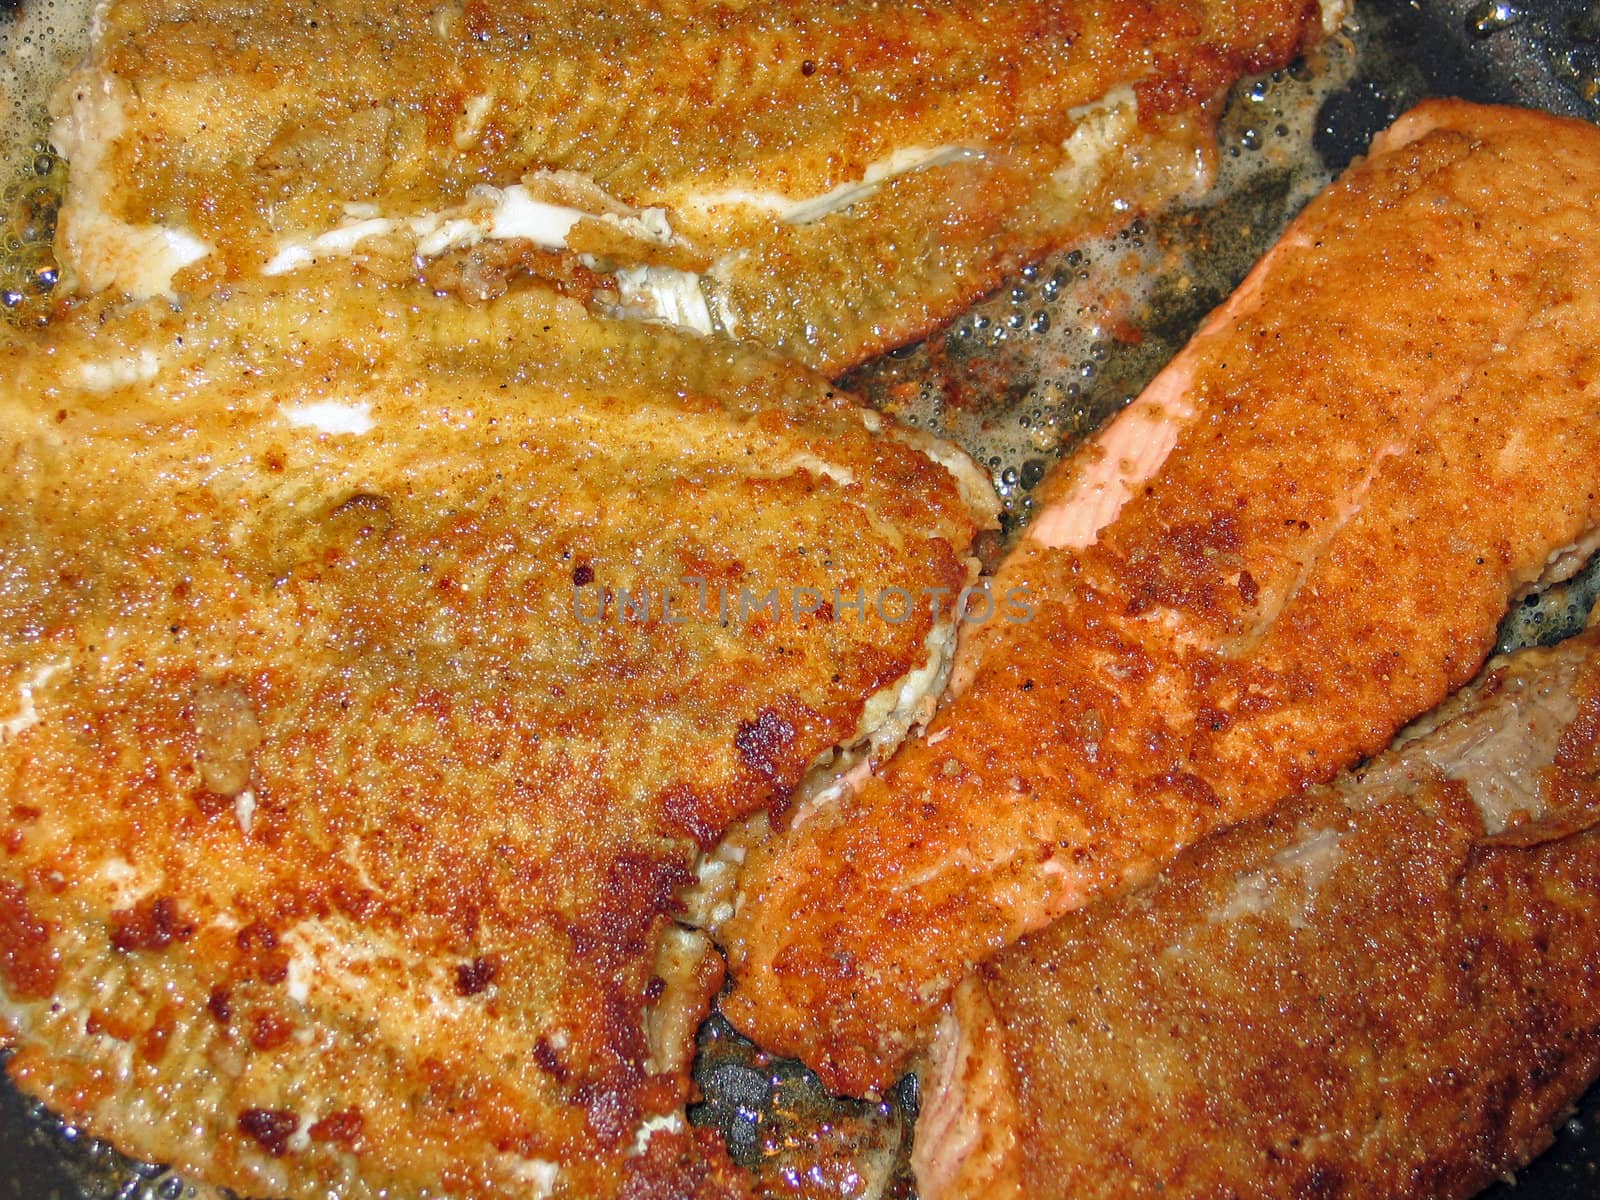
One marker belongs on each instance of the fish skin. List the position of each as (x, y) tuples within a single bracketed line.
[(337, 850), (1387, 434), (206, 120), (1252, 1021)]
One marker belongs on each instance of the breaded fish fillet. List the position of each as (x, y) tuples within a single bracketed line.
[(375, 667), (1300, 536), (1388, 988), (828, 180)]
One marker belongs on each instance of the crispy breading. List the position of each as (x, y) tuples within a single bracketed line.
[(1388, 988), (829, 182), (1302, 534), (352, 762)]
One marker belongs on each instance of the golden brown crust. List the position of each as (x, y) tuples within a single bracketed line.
[(226, 134), (1363, 995), (1390, 439), (339, 830)]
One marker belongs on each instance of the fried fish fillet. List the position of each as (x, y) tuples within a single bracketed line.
[(829, 181), (376, 666), (1301, 535), (1385, 989)]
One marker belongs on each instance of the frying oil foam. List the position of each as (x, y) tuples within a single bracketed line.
[(1020, 378), (38, 45)]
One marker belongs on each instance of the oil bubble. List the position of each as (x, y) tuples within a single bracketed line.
[(1491, 16)]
